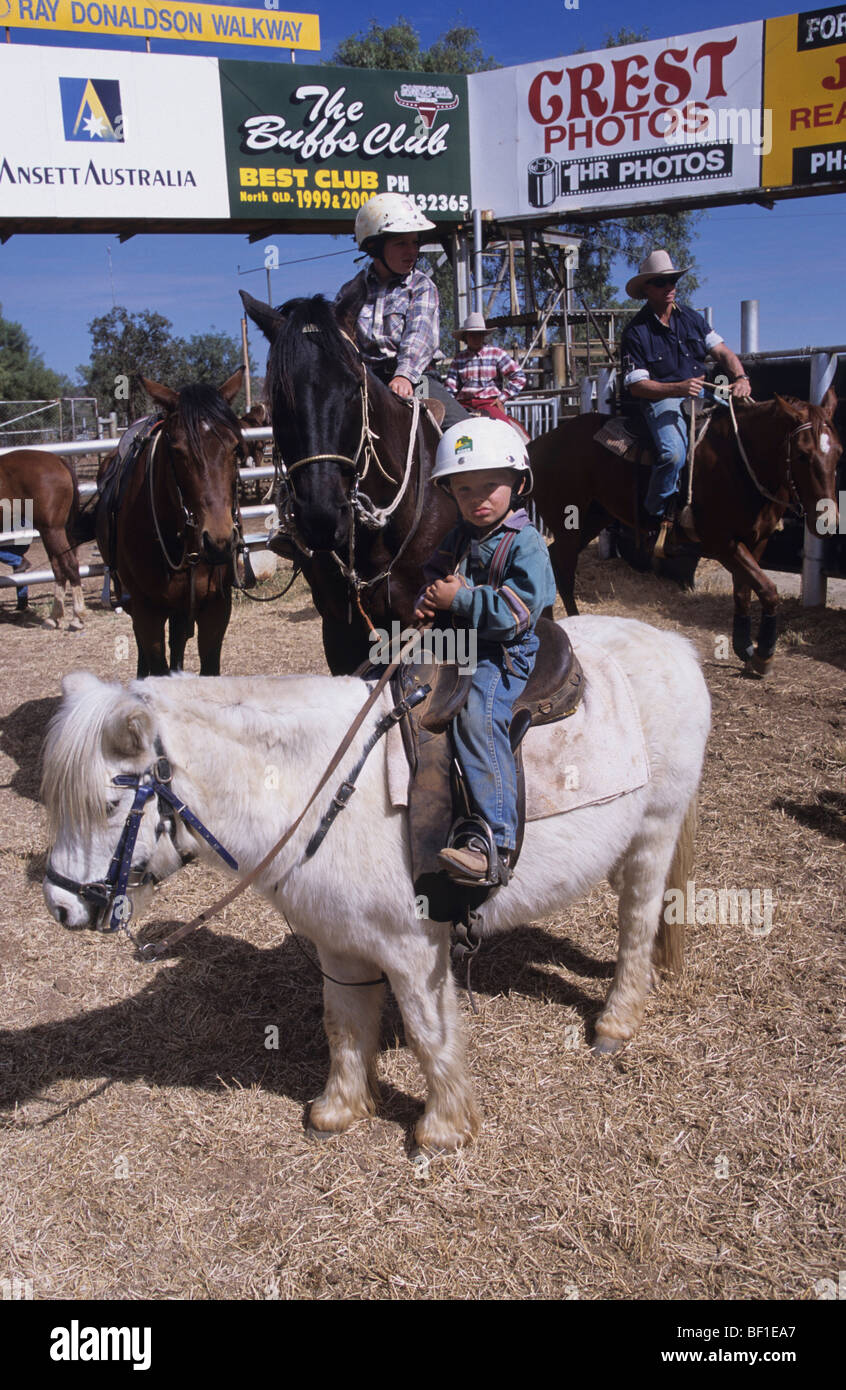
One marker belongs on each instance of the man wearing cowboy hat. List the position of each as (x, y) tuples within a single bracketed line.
[(482, 375), (664, 349)]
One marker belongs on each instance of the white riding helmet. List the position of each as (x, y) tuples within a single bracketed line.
[(388, 214), (477, 444)]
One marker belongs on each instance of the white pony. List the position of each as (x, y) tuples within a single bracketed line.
[(247, 752)]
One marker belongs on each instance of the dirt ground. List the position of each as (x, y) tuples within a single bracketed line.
[(153, 1147)]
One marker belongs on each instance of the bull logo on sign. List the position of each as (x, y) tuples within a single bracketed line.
[(426, 100)]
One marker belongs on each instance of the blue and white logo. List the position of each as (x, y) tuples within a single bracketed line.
[(91, 109)]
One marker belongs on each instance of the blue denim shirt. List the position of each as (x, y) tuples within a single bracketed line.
[(506, 613), (666, 352)]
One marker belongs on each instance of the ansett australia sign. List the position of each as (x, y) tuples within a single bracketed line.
[(167, 19)]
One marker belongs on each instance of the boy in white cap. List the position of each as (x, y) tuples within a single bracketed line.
[(398, 323), (492, 572)]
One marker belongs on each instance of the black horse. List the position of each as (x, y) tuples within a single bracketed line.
[(358, 501)]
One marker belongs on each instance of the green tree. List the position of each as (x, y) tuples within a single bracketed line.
[(126, 346), (396, 47), (23, 375)]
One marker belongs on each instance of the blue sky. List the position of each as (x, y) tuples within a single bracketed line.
[(786, 258)]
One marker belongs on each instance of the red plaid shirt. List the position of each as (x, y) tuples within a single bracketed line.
[(489, 372)]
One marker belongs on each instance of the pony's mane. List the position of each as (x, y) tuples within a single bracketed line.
[(306, 320), (75, 779), (201, 404)]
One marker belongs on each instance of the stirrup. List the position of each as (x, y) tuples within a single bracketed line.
[(471, 829)]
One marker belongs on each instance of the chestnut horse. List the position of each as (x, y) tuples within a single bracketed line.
[(338, 429), (791, 453), (177, 526), (48, 483)]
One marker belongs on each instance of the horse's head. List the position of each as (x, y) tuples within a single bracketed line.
[(202, 438), (101, 732), (315, 383), (813, 451)]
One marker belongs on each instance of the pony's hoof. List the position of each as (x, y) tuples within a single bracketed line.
[(761, 664), (750, 671), (75, 625), (606, 1047), (50, 622), (322, 1134)]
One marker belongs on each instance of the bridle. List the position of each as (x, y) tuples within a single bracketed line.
[(361, 507), (189, 558), (110, 892)]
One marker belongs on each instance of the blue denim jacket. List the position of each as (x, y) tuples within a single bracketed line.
[(504, 614)]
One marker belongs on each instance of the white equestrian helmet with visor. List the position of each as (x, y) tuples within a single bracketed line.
[(388, 214), (479, 444)]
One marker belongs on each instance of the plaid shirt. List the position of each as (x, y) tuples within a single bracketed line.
[(489, 372), (398, 320)]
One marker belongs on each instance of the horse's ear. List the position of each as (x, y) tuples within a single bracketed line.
[(790, 408), (129, 730), (230, 388), (77, 682), (162, 395), (269, 320), (828, 404)]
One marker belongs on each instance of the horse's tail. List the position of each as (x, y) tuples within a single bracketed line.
[(669, 943), (82, 522)]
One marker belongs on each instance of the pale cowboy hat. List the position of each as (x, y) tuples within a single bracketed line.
[(474, 323), (656, 263)]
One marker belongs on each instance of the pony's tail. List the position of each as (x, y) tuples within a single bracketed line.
[(81, 525), (668, 954)]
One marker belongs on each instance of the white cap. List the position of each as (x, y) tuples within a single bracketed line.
[(389, 214), (477, 444)]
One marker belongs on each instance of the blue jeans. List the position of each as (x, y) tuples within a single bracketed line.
[(668, 430), (480, 733), (15, 559)]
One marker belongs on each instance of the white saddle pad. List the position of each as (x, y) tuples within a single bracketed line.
[(599, 753)]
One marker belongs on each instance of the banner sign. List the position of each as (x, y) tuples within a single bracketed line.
[(805, 87), (315, 143), (166, 19), (109, 134), (669, 118)]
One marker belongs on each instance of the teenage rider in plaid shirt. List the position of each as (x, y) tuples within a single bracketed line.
[(397, 327), (482, 376)]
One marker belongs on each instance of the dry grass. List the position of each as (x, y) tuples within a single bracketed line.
[(153, 1147)]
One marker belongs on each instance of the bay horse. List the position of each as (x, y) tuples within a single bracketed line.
[(48, 483), (177, 525), (338, 429), (354, 897), (792, 451)]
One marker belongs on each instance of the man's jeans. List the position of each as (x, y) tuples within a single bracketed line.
[(668, 429), (15, 559), (480, 732)]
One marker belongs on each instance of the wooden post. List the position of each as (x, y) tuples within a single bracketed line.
[(246, 352)]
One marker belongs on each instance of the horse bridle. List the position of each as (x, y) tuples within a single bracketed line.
[(122, 875), (360, 505), (189, 559)]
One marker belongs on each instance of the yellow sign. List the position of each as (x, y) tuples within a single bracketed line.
[(805, 88), (167, 19)]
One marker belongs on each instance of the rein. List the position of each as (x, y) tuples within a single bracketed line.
[(161, 948), (788, 479)]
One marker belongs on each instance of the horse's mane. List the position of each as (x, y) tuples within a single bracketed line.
[(75, 781), (306, 320), (199, 405)]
